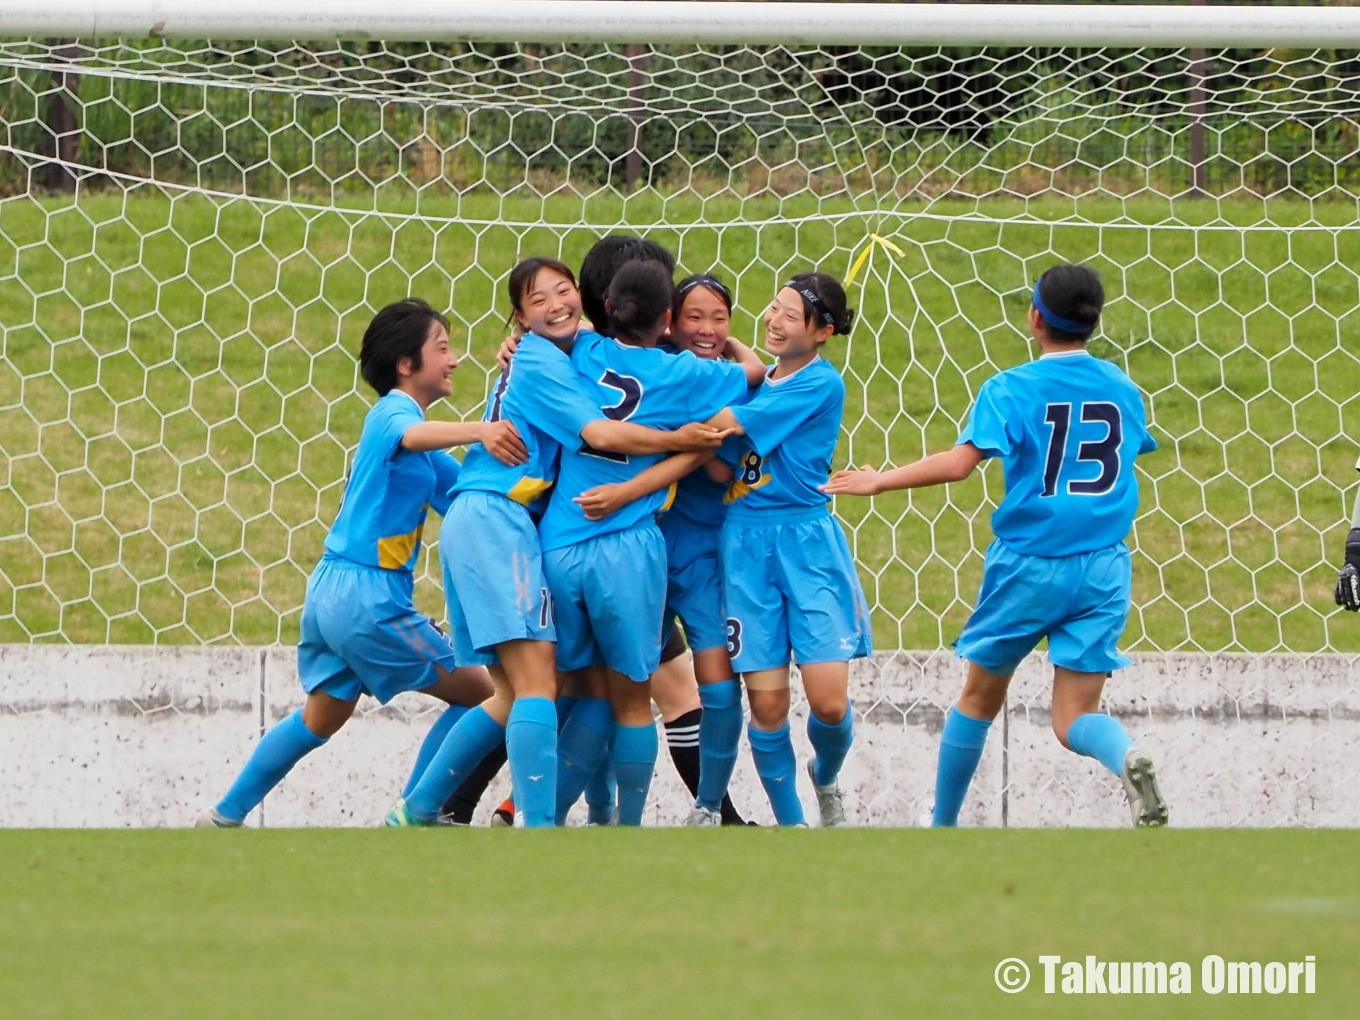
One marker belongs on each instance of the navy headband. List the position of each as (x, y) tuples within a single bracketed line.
[(1057, 321), (712, 282), (811, 299)]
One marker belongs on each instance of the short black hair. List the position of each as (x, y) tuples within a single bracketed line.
[(524, 274), (398, 331), (639, 295), (603, 260), (1074, 293), (706, 280), (831, 296)]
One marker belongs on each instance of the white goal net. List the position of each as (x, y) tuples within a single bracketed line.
[(193, 236)]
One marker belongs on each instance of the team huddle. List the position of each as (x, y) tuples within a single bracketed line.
[(642, 481)]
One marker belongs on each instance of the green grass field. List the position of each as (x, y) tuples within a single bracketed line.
[(178, 390), (607, 923)]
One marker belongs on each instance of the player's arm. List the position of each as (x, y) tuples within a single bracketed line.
[(1348, 584), (748, 359), (604, 500), (500, 438), (950, 466), (626, 437)]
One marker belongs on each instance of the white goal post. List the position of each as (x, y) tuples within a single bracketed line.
[(202, 203)]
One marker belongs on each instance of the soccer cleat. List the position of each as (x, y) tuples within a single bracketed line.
[(504, 816), (702, 817), (213, 819), (400, 817), (1140, 784), (830, 801), (925, 818), (449, 821)]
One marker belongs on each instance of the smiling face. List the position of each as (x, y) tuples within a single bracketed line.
[(434, 378), (788, 333), (550, 306), (703, 324)]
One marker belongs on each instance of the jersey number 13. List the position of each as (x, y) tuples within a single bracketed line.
[(1103, 451)]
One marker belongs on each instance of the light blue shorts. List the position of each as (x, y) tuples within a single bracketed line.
[(493, 576), (362, 634), (792, 591), (608, 596), (693, 583), (1079, 602)]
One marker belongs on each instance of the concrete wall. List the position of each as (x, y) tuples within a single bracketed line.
[(141, 736)]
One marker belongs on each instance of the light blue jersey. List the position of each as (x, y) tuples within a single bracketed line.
[(390, 490), (641, 385), (791, 427), (543, 395), (1067, 428)]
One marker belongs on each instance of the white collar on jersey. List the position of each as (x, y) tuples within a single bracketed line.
[(1064, 354), (769, 372), (410, 398)]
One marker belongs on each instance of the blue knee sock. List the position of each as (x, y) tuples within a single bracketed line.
[(432, 742), (719, 735), (472, 739), (531, 745), (564, 704), (601, 788), (582, 746), (832, 744), (634, 762), (1100, 737), (777, 768), (278, 751), (960, 751)]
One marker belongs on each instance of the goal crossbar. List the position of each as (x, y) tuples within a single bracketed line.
[(666, 22)]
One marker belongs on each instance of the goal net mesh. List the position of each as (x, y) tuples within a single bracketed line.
[(194, 235)]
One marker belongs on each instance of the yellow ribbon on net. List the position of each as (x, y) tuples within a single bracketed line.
[(875, 240)]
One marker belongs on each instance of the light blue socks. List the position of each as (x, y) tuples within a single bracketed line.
[(279, 750), (1100, 737), (719, 735), (531, 745), (832, 744), (431, 744), (601, 789), (777, 768), (582, 746), (961, 745), (635, 750), (472, 739)]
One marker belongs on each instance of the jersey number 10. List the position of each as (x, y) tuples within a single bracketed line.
[(1104, 451)]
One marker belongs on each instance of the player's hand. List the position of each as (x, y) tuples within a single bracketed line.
[(508, 347), (865, 481), (502, 441), (601, 501), (1348, 588), (696, 436)]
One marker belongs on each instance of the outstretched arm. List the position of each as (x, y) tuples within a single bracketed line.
[(604, 500), (747, 359), (500, 438), (950, 466), (626, 437)]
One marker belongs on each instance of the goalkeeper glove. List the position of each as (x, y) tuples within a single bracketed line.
[(1348, 584)]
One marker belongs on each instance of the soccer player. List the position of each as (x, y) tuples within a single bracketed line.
[(788, 578), (1348, 584), (700, 705), (608, 576), (361, 632), (1067, 428), (500, 614)]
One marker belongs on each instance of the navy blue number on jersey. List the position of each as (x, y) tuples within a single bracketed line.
[(498, 395), (1104, 451), (631, 390)]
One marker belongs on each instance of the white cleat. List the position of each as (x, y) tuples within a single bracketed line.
[(703, 818), (830, 800), (212, 819), (1140, 784), (925, 818)]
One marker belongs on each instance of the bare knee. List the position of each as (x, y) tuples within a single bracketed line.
[(769, 709), (827, 707), (324, 715)]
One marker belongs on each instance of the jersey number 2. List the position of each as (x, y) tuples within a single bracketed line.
[(1104, 451), (632, 396)]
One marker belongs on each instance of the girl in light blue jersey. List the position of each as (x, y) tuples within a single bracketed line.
[(500, 612), (1067, 428), (789, 580), (361, 631)]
